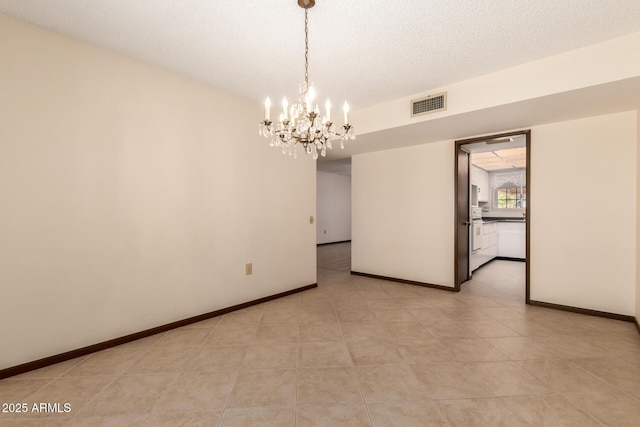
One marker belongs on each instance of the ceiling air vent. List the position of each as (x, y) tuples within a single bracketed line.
[(429, 104)]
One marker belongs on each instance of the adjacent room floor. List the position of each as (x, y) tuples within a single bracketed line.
[(357, 352)]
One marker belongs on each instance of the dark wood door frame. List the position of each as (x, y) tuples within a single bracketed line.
[(527, 134), (463, 218)]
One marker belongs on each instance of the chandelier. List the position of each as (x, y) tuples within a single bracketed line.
[(302, 123)]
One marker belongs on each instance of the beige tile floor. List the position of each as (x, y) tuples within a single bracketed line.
[(358, 352)]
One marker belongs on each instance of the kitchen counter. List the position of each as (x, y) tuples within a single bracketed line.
[(498, 237), (498, 219)]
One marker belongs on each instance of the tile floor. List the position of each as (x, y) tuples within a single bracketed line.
[(358, 352)]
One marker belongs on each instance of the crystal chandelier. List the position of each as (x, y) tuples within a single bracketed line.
[(302, 122)]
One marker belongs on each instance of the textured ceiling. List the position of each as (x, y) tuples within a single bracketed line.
[(508, 158), (368, 51)]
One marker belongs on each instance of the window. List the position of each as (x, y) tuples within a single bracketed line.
[(509, 189), (508, 196)]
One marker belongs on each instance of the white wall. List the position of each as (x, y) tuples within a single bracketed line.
[(126, 201), (597, 64), (583, 210), (583, 213), (333, 204), (403, 213)]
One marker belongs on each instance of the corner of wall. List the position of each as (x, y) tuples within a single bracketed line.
[(638, 219)]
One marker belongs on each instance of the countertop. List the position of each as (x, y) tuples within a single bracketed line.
[(498, 219)]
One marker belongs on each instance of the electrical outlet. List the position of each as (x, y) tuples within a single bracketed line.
[(248, 269), (325, 231)]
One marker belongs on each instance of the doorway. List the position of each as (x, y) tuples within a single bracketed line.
[(497, 188)]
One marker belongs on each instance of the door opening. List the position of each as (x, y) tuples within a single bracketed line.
[(492, 203)]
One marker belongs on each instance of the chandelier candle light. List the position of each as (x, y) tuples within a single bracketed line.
[(302, 122)]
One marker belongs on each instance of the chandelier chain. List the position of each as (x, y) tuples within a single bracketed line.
[(306, 48)]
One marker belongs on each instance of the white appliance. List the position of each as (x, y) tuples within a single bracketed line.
[(476, 229), (476, 212)]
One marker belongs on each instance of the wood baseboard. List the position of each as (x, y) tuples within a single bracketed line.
[(583, 311), (333, 243), (637, 322), (405, 281), (51, 360), (506, 258)]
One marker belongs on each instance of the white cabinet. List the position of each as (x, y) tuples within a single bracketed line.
[(480, 178), (488, 246), (503, 239), (490, 235), (489, 242), (512, 240), (483, 188), (474, 175), (475, 261)]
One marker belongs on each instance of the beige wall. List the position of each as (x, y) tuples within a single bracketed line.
[(597, 64), (638, 221), (583, 213), (333, 204), (583, 210), (403, 213), (133, 197)]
